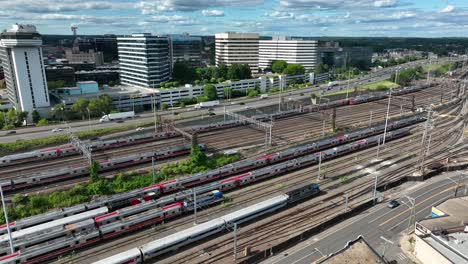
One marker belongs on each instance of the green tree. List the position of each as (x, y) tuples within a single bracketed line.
[(227, 92), (35, 116), (164, 106), (81, 107), (101, 105), (294, 69), (183, 72), (239, 72), (197, 156), (278, 66), (2, 84), (221, 72), (2, 120), (93, 171), (209, 90)]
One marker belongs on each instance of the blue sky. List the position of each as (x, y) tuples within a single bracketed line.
[(418, 18)]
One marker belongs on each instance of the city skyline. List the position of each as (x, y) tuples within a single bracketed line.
[(393, 18)]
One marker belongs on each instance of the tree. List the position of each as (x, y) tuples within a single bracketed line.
[(81, 107), (93, 171), (183, 72), (294, 69), (278, 66), (164, 106), (221, 72), (35, 116), (239, 72), (227, 92), (197, 156), (2, 84), (2, 120), (101, 105), (209, 90)]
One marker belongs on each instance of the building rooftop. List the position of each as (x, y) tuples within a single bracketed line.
[(453, 213), (357, 251), (453, 246)]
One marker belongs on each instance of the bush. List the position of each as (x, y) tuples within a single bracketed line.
[(42, 122)]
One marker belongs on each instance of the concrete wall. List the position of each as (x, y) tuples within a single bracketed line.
[(427, 254)]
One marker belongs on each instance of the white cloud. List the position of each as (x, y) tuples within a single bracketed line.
[(212, 13), (385, 3), (155, 6), (448, 9), (280, 15)]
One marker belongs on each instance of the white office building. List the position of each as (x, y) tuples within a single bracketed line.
[(143, 60), (303, 52), (237, 48), (21, 55)]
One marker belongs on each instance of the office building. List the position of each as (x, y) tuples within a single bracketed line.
[(143, 60), (91, 56), (333, 55), (21, 55), (297, 51), (60, 73), (237, 48), (107, 44), (185, 48), (102, 77)]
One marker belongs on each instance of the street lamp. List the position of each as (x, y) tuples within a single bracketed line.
[(388, 107), (89, 118)]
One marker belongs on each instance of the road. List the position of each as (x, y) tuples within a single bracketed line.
[(45, 131), (375, 223)]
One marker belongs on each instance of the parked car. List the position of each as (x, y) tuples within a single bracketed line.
[(56, 130), (10, 132), (140, 128), (393, 204)]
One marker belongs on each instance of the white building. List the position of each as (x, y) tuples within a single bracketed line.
[(21, 55), (143, 60), (237, 48), (303, 52)]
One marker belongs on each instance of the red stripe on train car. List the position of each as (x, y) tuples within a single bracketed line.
[(98, 218)]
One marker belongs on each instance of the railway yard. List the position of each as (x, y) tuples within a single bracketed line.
[(307, 174)]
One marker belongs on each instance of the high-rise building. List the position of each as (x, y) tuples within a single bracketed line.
[(297, 51), (107, 44), (143, 60), (21, 55), (237, 48), (185, 48)]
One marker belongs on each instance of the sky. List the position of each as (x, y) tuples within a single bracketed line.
[(353, 18)]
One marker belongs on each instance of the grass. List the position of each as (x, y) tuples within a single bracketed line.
[(29, 144), (377, 86)]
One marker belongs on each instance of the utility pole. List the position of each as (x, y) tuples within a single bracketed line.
[(319, 166), (375, 188), (154, 172), (280, 94), (195, 206), (235, 242), (458, 184), (412, 212), (346, 204), (153, 98), (6, 221), (388, 109), (378, 148), (425, 141), (387, 241)]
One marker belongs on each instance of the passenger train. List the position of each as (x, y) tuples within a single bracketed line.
[(82, 169), (83, 233), (39, 243), (114, 143), (151, 192), (148, 252)]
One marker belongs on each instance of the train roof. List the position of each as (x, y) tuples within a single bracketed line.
[(121, 257), (55, 223), (233, 217), (182, 235)]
